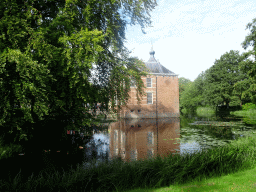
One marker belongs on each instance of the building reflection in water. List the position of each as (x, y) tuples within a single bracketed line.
[(133, 139)]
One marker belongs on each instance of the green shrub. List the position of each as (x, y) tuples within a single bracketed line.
[(205, 111), (248, 106), (7, 151), (184, 111)]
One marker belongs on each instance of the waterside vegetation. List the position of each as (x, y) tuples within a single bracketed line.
[(249, 110), (54, 68), (205, 111), (172, 173)]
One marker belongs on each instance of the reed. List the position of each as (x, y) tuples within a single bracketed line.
[(205, 111), (249, 113), (156, 172)]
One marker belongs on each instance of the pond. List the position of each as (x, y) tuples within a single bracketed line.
[(133, 139)]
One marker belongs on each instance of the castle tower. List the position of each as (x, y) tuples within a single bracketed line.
[(162, 93)]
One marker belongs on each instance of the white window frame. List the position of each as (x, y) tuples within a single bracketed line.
[(115, 100), (152, 98), (150, 81), (150, 138), (133, 82)]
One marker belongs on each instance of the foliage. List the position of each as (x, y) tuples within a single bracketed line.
[(249, 66), (248, 106), (184, 111), (231, 80), (121, 82), (248, 115), (221, 78), (193, 96), (205, 111), (222, 83), (8, 151), (170, 171), (182, 84), (241, 92), (48, 50)]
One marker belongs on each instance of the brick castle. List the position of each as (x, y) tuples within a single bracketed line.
[(162, 94)]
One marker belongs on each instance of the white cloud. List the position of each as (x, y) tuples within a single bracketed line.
[(188, 35)]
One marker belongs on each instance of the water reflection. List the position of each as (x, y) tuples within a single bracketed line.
[(144, 138), (135, 139)]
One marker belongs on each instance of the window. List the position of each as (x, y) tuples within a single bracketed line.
[(115, 98), (132, 83), (149, 84), (123, 138), (133, 154), (115, 136), (149, 98), (150, 153), (150, 137)]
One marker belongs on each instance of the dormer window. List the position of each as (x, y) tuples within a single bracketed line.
[(149, 82)]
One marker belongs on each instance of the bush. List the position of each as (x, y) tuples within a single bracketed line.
[(205, 111), (248, 106), (184, 111)]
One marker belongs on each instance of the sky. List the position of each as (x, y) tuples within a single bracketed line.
[(189, 35)]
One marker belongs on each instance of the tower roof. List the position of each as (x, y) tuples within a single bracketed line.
[(155, 67)]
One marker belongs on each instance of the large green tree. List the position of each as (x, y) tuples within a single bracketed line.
[(249, 66), (47, 51), (221, 78)]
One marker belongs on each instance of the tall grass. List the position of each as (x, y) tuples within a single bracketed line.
[(118, 175), (6, 151), (205, 111), (250, 112)]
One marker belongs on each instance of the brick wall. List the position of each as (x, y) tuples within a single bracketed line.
[(165, 99), (134, 139)]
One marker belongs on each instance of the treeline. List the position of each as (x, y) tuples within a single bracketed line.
[(231, 81)]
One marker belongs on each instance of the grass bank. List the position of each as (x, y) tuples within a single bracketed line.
[(250, 112), (241, 181), (200, 111), (205, 111), (204, 171)]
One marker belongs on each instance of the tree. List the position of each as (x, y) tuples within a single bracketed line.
[(241, 90), (182, 84), (221, 78), (47, 51), (193, 94), (248, 66)]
